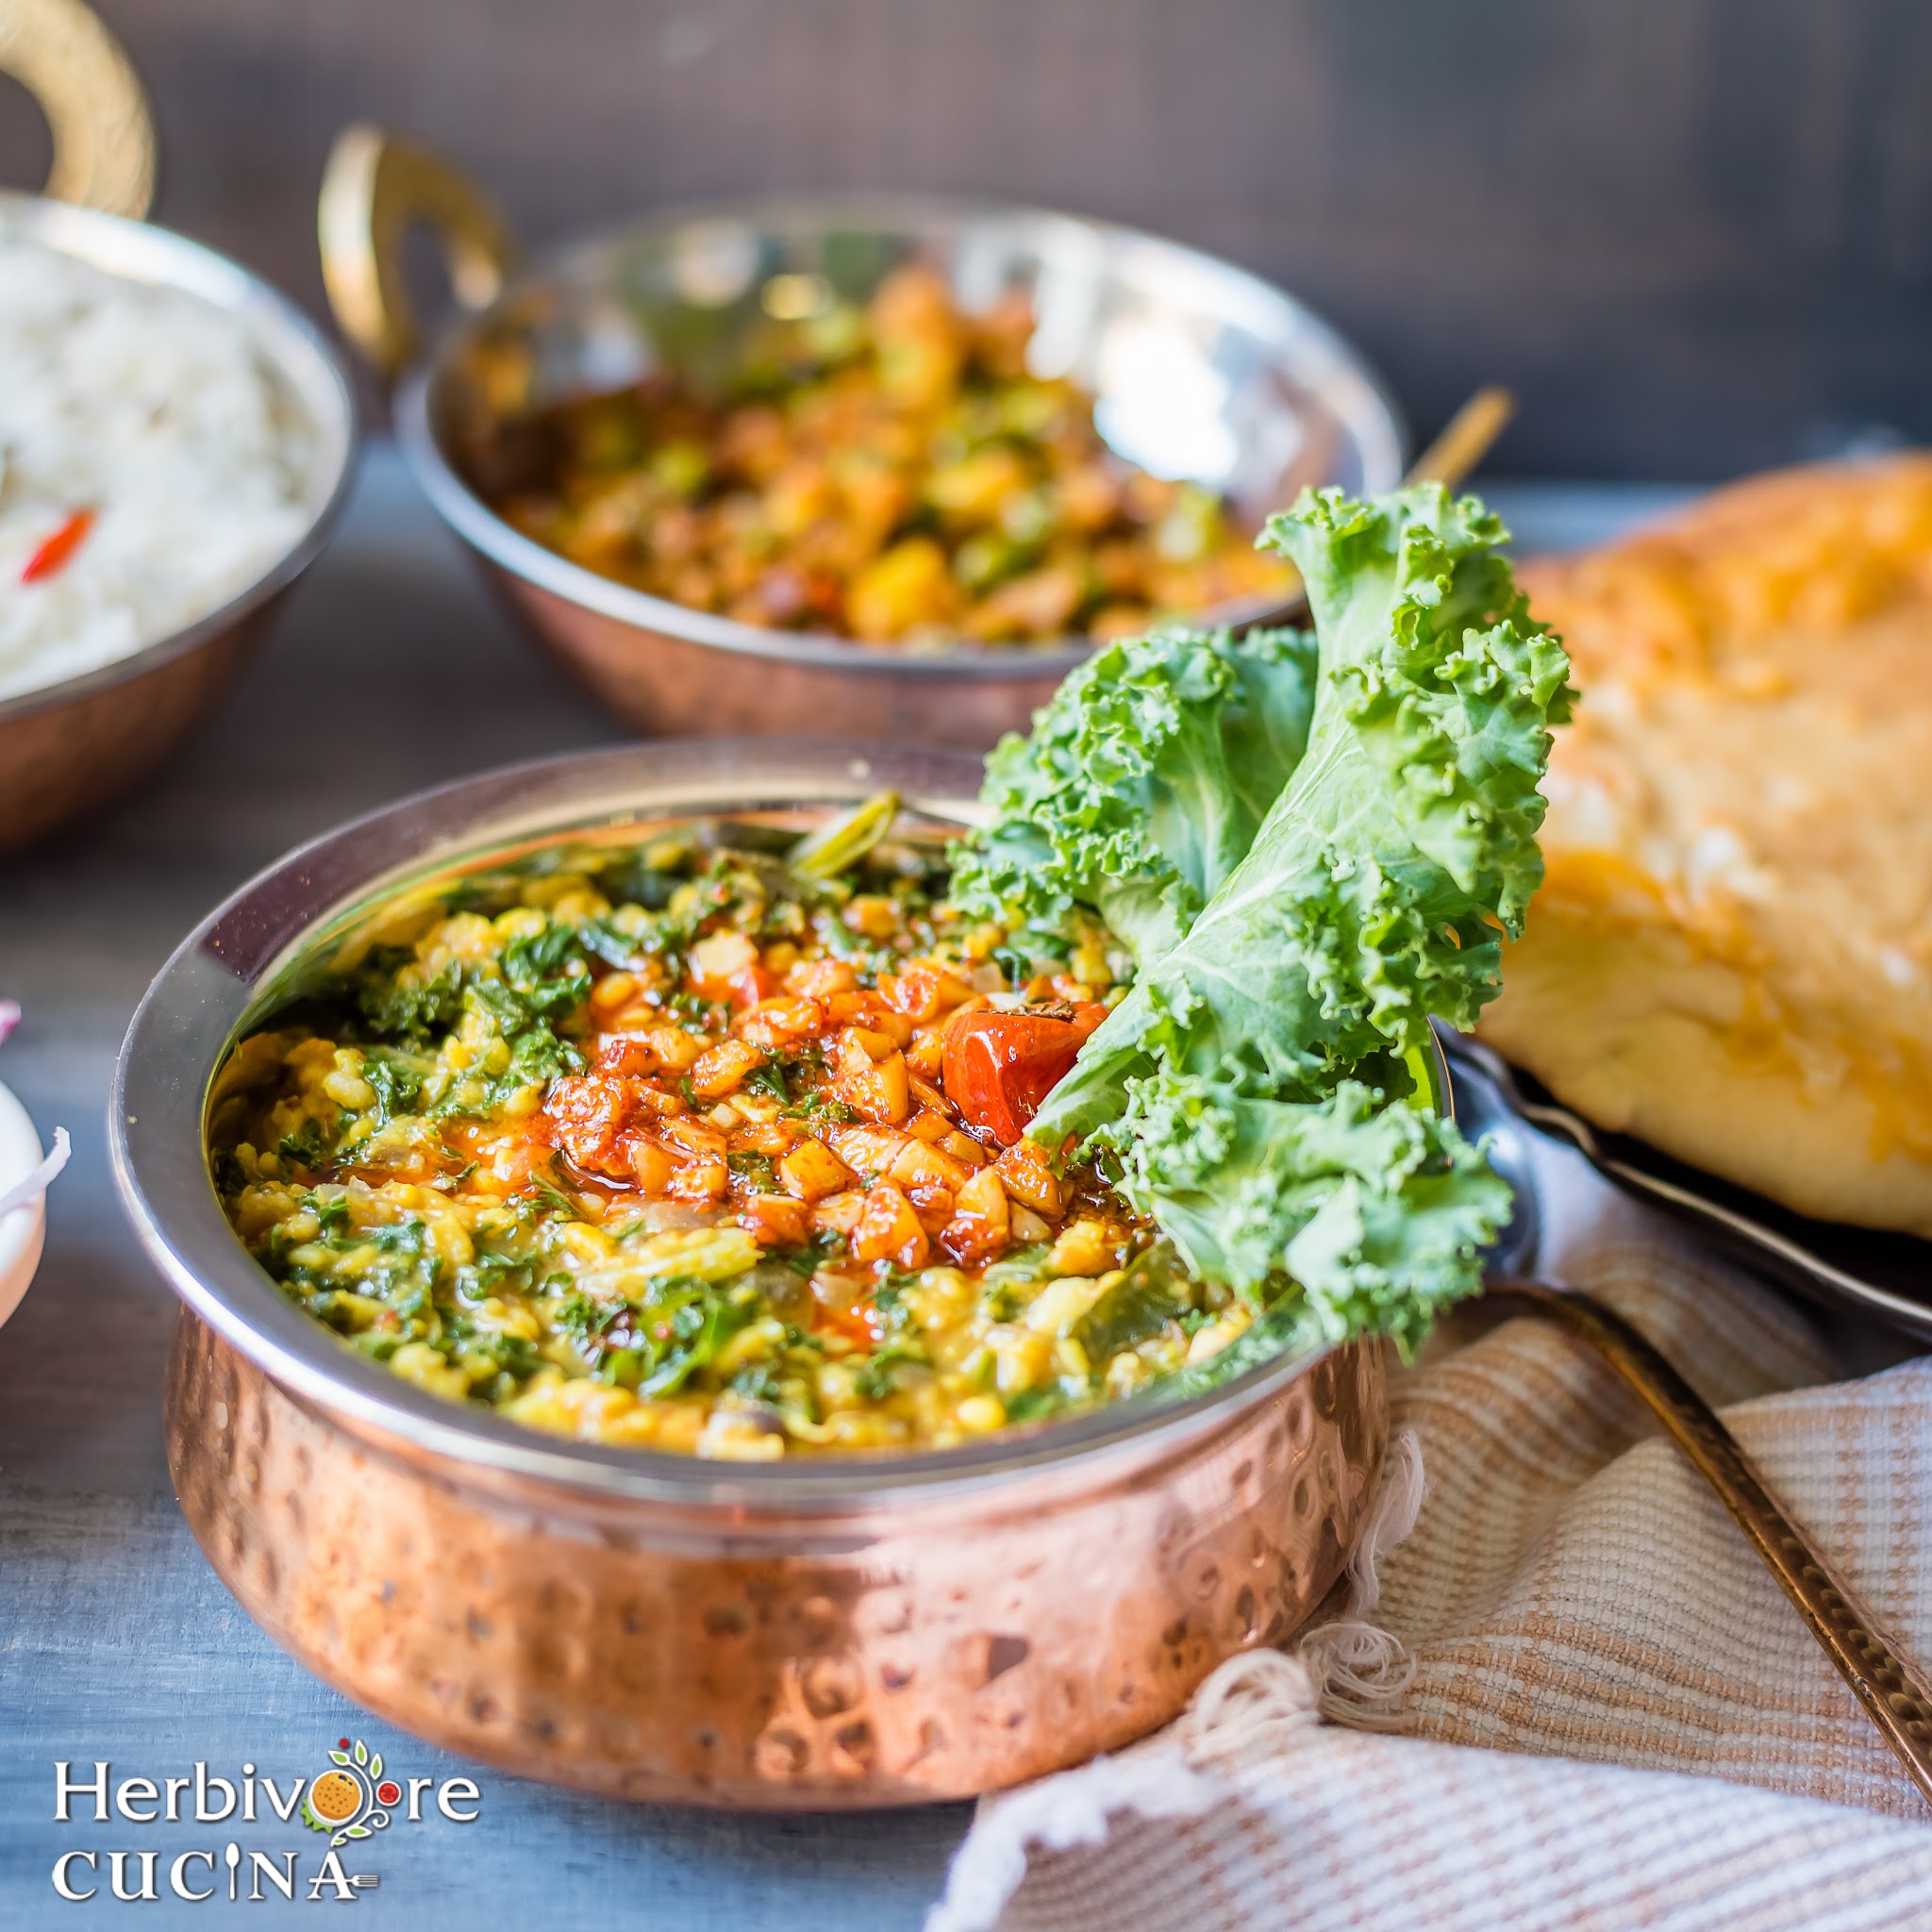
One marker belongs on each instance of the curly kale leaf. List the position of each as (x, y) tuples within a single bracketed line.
[(1375, 892), (1339, 1216), (1142, 785)]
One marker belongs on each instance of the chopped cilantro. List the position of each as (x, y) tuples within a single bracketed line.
[(305, 1146), (821, 1107), (331, 1211), (768, 1078), (878, 1376), (398, 1084), (755, 1167), (553, 1197), (416, 1014), (1029, 1404)]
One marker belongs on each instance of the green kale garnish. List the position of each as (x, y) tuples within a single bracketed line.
[(1139, 789), (1312, 852)]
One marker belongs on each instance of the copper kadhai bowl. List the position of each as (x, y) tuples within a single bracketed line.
[(851, 1632), (1201, 370)]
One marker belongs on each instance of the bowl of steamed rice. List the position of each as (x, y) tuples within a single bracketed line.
[(174, 441)]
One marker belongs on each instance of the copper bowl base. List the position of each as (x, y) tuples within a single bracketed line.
[(72, 758), (900, 1648), (671, 687)]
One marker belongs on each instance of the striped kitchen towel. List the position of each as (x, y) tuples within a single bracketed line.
[(1569, 1696)]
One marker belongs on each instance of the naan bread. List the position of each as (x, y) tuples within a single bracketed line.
[(1731, 957)]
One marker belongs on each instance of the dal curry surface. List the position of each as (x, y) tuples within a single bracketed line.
[(698, 1148)]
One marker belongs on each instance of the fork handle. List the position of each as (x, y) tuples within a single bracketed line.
[(1883, 1679)]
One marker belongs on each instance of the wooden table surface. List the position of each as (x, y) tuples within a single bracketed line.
[(391, 670)]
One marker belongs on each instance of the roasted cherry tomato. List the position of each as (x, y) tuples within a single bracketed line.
[(998, 1067)]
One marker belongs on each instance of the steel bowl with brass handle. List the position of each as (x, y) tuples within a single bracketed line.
[(832, 1632), (1207, 372), (68, 747), (97, 108)]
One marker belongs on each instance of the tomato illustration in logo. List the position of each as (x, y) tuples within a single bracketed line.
[(353, 1800)]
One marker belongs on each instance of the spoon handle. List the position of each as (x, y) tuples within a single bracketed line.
[(1465, 440), (1884, 1680)]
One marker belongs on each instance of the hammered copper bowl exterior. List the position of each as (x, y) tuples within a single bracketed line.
[(63, 761), (886, 1653), (817, 1631), (657, 682)]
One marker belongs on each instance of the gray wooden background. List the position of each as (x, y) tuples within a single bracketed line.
[(1696, 235)]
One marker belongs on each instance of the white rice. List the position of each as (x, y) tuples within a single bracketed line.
[(157, 412)]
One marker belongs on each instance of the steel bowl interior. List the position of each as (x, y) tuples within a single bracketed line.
[(313, 391), (1200, 370), (249, 954)]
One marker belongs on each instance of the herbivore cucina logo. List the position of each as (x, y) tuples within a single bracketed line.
[(351, 1800)]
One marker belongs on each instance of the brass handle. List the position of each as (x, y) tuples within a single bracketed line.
[(1884, 1680), (103, 134), (1465, 440), (374, 188)]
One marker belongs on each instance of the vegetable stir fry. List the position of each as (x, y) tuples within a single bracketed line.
[(894, 474), (754, 1145)]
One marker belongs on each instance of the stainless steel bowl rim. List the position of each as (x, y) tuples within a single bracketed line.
[(191, 1012), (524, 558), (147, 253)]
